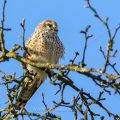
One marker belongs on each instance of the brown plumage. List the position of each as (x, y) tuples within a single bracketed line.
[(43, 46)]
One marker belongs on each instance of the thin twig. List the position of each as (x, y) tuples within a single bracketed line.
[(2, 41)]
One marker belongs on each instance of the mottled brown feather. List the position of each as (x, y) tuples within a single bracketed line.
[(43, 46)]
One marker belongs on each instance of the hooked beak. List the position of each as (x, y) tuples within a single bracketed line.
[(56, 30)]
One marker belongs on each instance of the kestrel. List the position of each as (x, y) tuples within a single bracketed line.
[(43, 46)]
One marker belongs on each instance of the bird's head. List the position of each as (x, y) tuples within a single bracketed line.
[(49, 25)]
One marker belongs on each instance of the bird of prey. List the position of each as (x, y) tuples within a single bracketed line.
[(43, 46)]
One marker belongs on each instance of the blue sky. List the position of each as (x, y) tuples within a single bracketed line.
[(71, 17)]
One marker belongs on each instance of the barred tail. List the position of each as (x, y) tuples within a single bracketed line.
[(28, 91)]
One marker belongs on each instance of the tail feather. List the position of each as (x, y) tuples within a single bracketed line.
[(28, 90), (25, 94)]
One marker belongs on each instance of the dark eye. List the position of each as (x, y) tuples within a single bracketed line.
[(50, 25)]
